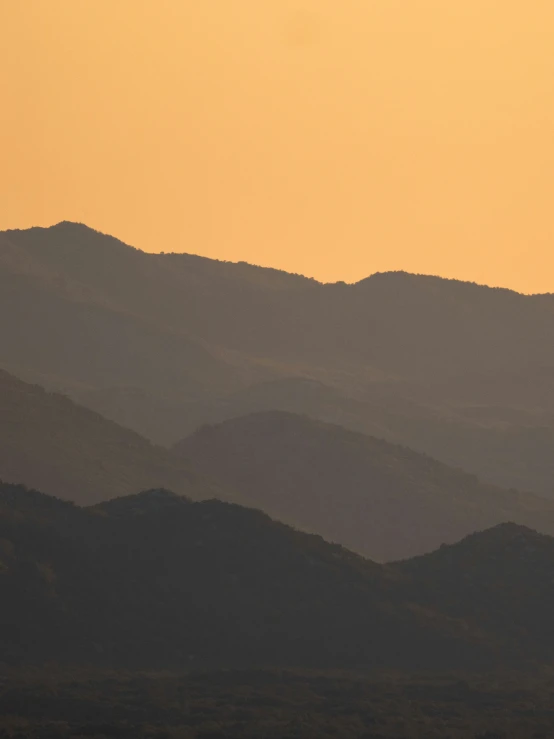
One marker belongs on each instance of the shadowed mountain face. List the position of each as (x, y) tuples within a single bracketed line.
[(397, 322), (156, 581), (61, 331), (49, 442), (505, 446), (379, 499), (159, 341), (382, 500), (502, 579)]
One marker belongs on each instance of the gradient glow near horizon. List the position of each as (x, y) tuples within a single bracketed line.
[(334, 138)]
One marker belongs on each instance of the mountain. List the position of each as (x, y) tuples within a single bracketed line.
[(395, 321), (502, 579), (374, 497), (61, 332), (158, 581), (510, 447), (382, 500), (459, 371), (47, 441)]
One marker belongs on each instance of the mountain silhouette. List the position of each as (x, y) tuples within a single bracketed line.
[(502, 579), (401, 323), (382, 500), (376, 498), (460, 371), (510, 447), (158, 581), (63, 333), (208, 584), (48, 441)]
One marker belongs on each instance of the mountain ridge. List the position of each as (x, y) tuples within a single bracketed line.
[(215, 580), (388, 274), (49, 442), (375, 497), (383, 500), (460, 372)]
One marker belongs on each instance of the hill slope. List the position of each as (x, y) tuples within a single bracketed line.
[(158, 581), (502, 579), (63, 332), (382, 500), (206, 581), (462, 372), (401, 323), (48, 441), (510, 447), (376, 498)]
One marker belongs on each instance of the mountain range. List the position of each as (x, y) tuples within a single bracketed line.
[(310, 432), (155, 580), (382, 500), (506, 446), (48, 441), (379, 499), (163, 343)]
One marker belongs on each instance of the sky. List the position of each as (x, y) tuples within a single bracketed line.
[(334, 138)]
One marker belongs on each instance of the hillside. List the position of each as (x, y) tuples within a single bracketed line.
[(49, 442), (158, 581), (63, 333), (382, 500), (510, 447), (209, 582), (502, 579), (459, 371), (398, 323), (374, 497)]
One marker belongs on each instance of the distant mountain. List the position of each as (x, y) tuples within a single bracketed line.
[(48, 441), (170, 422), (504, 446), (408, 326), (377, 498), (460, 371), (382, 500), (502, 579), (157, 581), (60, 331)]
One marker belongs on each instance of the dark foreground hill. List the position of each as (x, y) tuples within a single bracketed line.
[(462, 372), (502, 579), (49, 442), (155, 580), (382, 500)]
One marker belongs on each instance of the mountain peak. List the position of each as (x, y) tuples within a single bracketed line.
[(506, 533), (502, 549), (66, 236), (401, 278), (380, 499), (147, 501), (73, 225)]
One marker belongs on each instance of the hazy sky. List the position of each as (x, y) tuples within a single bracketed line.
[(330, 137)]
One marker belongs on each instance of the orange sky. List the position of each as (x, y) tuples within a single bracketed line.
[(330, 137)]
